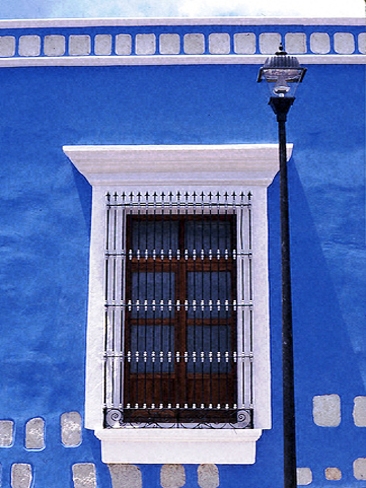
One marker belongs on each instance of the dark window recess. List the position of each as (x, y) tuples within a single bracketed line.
[(171, 314)]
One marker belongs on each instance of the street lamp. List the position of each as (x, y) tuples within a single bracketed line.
[(283, 73)]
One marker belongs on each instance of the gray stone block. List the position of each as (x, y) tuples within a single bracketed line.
[(6, 433), (362, 42), (21, 475), (320, 43), (304, 476), (29, 46), (34, 434), (333, 474), (295, 43), (103, 45), (245, 43), (219, 43), (54, 45), (145, 44), (359, 411), (359, 469), (123, 44), (84, 476), (7, 46), (208, 476), (169, 44), (269, 42), (71, 429), (327, 410), (125, 475), (194, 43), (172, 476), (344, 43), (79, 45)]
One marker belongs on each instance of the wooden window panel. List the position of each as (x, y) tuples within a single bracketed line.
[(189, 382)]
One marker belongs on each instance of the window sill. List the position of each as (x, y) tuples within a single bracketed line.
[(178, 446)]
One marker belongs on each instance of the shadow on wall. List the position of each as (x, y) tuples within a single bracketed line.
[(326, 364), (322, 341)]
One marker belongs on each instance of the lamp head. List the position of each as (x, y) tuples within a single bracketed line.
[(283, 74)]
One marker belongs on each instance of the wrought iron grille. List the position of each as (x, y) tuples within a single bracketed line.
[(178, 310)]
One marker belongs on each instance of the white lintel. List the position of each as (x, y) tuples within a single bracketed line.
[(125, 165)]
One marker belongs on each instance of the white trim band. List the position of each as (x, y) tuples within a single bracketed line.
[(158, 60), (176, 21)]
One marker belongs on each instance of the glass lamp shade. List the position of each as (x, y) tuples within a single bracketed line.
[(283, 74)]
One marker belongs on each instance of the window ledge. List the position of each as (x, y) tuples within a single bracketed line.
[(178, 446)]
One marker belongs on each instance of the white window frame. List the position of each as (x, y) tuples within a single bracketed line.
[(231, 168)]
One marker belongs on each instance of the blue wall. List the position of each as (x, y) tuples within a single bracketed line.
[(45, 223)]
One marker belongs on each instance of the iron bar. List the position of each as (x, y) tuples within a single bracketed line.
[(143, 254)]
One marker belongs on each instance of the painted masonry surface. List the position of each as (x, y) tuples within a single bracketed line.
[(178, 82)]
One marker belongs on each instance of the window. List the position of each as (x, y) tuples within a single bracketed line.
[(178, 323), (178, 335)]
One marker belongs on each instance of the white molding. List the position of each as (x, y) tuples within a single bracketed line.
[(177, 21), (179, 446), (238, 167), (172, 60)]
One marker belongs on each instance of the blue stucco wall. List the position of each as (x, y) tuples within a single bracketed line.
[(45, 224)]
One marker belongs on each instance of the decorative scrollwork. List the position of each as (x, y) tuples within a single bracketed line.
[(175, 418), (113, 418), (244, 418)]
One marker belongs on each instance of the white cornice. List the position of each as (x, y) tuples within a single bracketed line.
[(189, 164), (176, 21)]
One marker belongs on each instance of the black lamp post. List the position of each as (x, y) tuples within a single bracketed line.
[(283, 73)]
